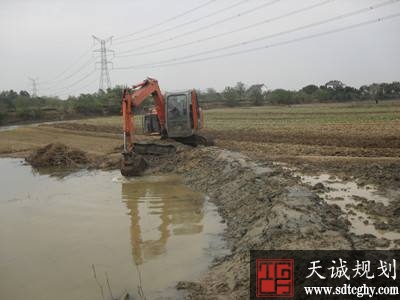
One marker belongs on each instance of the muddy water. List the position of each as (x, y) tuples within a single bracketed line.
[(346, 195), (150, 232)]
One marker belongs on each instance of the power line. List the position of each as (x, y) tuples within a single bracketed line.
[(54, 83), (87, 85), (105, 81), (307, 37), (167, 20), (55, 78), (270, 20), (69, 91), (244, 43), (74, 83), (204, 27), (190, 22)]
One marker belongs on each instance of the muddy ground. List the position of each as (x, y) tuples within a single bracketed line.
[(253, 178), (271, 209)]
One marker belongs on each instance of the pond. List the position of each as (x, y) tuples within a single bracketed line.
[(67, 236)]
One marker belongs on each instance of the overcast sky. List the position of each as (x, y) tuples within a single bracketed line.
[(52, 40)]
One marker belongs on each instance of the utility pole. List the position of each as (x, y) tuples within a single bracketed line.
[(34, 86), (105, 81)]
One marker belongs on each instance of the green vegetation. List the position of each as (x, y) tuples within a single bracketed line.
[(22, 107), (332, 91)]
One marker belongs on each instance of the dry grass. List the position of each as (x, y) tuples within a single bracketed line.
[(29, 138)]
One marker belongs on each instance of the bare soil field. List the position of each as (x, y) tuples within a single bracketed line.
[(261, 156), (360, 140)]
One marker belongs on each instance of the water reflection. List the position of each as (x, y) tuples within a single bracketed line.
[(62, 227), (159, 209)]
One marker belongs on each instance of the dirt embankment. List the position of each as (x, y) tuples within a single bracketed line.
[(265, 207)]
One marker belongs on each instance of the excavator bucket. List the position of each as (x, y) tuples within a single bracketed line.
[(133, 164)]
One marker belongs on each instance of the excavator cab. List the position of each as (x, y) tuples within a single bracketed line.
[(179, 117), (183, 116)]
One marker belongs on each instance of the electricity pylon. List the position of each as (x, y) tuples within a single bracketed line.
[(105, 81), (34, 86)]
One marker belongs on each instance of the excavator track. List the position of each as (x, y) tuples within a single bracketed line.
[(154, 148), (134, 163), (195, 140)]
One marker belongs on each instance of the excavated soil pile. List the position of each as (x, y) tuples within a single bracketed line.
[(57, 155)]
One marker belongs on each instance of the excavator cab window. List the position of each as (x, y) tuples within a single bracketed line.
[(177, 106), (178, 119)]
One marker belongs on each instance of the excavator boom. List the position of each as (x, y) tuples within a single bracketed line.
[(134, 97)]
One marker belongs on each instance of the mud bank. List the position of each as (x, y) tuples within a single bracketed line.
[(264, 206)]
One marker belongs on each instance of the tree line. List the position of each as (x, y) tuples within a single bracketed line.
[(21, 106), (332, 91)]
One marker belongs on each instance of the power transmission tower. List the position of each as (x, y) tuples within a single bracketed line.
[(105, 81), (34, 86)]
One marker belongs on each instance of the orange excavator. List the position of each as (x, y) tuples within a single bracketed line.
[(176, 116)]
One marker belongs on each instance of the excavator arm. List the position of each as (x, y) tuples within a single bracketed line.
[(134, 97)]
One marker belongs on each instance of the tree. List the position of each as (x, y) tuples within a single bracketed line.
[(231, 96), (256, 96), (24, 94), (365, 92), (6, 102), (323, 94), (281, 96), (3, 117), (310, 89), (335, 84), (395, 87), (241, 90), (209, 95)]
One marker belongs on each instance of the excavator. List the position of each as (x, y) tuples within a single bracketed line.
[(176, 116)]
